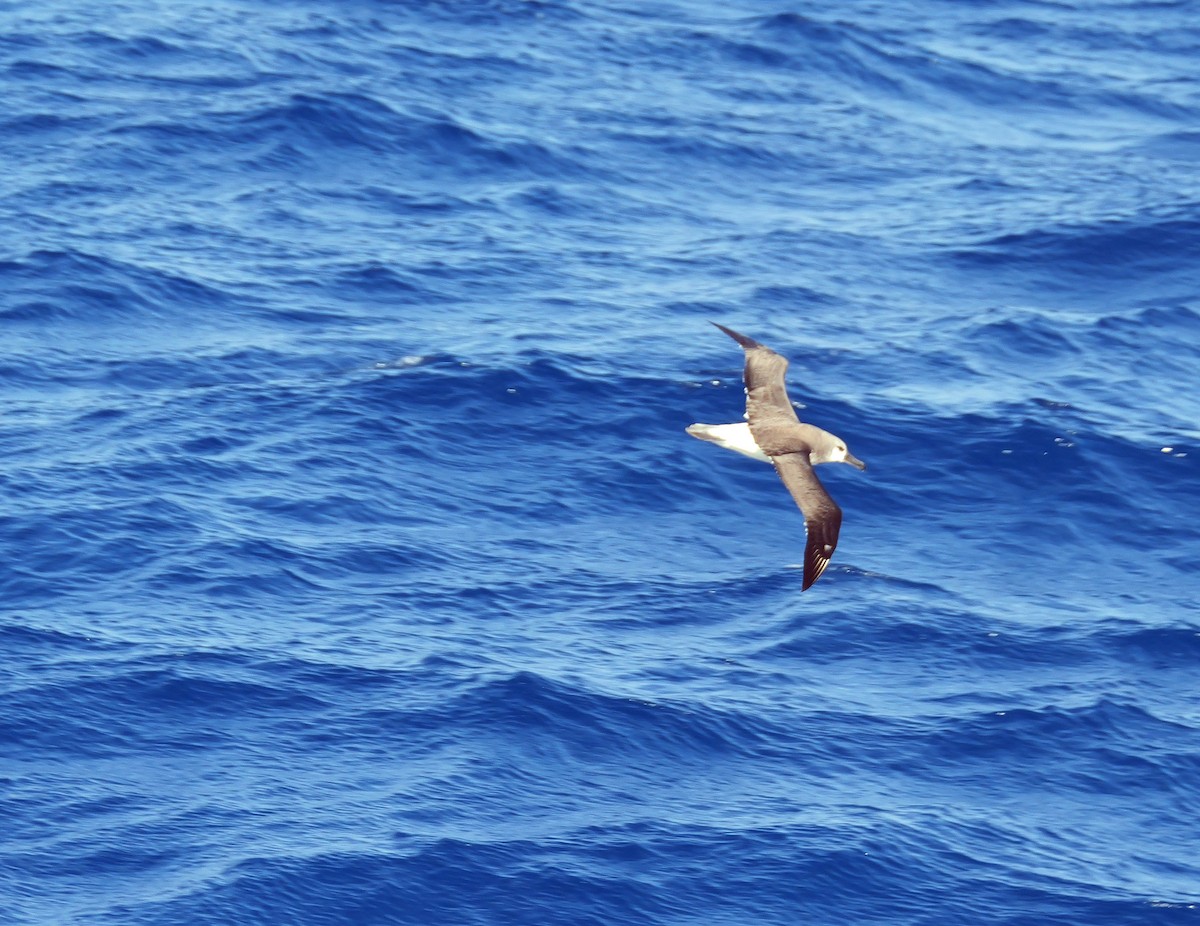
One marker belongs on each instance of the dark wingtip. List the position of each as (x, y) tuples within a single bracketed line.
[(815, 562), (748, 343), (813, 570)]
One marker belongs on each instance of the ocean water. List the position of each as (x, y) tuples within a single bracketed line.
[(357, 568)]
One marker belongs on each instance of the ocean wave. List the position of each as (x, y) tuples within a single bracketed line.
[(58, 285), (1116, 247)]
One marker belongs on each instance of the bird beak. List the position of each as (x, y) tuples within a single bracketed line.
[(854, 461)]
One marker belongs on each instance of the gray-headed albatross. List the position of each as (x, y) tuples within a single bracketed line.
[(775, 435)]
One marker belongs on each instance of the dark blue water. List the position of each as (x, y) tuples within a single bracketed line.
[(357, 568)]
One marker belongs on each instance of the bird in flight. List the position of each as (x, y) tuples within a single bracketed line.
[(773, 434)]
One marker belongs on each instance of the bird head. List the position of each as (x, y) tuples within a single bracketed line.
[(833, 450)]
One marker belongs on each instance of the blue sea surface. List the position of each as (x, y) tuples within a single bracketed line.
[(357, 568)]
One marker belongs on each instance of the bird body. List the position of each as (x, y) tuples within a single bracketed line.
[(774, 434), (821, 446)]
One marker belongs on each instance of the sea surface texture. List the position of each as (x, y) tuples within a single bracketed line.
[(357, 569)]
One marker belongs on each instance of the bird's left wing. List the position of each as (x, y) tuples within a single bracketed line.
[(767, 403)]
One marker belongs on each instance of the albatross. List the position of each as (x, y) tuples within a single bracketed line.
[(773, 434)]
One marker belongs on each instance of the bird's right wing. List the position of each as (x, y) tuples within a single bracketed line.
[(822, 516)]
